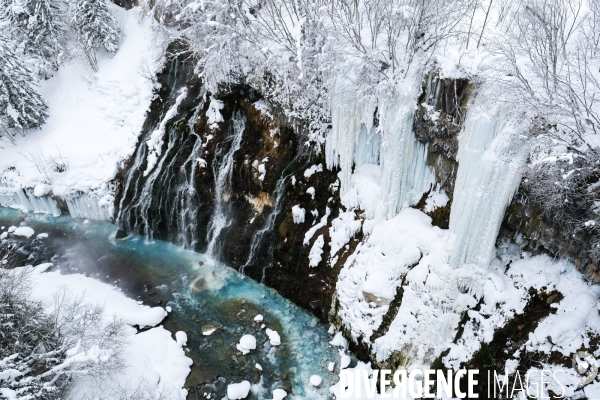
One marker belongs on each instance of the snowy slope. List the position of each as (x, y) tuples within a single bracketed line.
[(153, 360), (95, 118)]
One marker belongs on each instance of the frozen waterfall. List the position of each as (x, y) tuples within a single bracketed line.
[(350, 116), (355, 140), (405, 173), (489, 172), (89, 206)]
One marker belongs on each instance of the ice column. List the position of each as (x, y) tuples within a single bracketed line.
[(406, 175), (354, 140), (350, 116), (489, 172)]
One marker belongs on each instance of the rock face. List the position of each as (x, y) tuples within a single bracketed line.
[(440, 114), (539, 232), (177, 199)]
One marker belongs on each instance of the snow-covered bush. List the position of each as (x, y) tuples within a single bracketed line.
[(44, 347)]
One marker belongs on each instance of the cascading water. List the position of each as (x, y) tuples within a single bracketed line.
[(153, 173), (222, 172), (259, 237), (158, 197), (489, 173), (184, 216)]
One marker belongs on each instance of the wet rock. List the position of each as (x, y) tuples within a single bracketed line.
[(121, 234)]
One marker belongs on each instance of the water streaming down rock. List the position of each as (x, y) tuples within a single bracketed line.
[(489, 173), (156, 197), (222, 172), (260, 237), (184, 216)]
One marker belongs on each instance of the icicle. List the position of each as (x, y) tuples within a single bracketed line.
[(16, 197), (354, 141), (488, 175), (89, 206), (222, 172)]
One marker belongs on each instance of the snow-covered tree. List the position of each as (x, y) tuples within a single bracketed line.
[(21, 106), (44, 347), (96, 28), (44, 29), (13, 12)]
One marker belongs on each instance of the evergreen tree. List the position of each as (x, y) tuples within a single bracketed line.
[(44, 29), (96, 28), (21, 106)]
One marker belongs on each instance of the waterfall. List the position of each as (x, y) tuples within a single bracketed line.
[(488, 175), (145, 203), (184, 214), (222, 172), (145, 198), (259, 236)]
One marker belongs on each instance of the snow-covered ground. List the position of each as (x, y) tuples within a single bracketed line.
[(94, 119), (154, 361)]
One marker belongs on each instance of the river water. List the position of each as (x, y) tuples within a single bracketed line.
[(204, 295)]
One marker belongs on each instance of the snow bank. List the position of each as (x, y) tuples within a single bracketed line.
[(94, 121)]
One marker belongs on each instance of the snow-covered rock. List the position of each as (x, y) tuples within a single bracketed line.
[(274, 337), (236, 391), (24, 231), (247, 344), (298, 214)]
